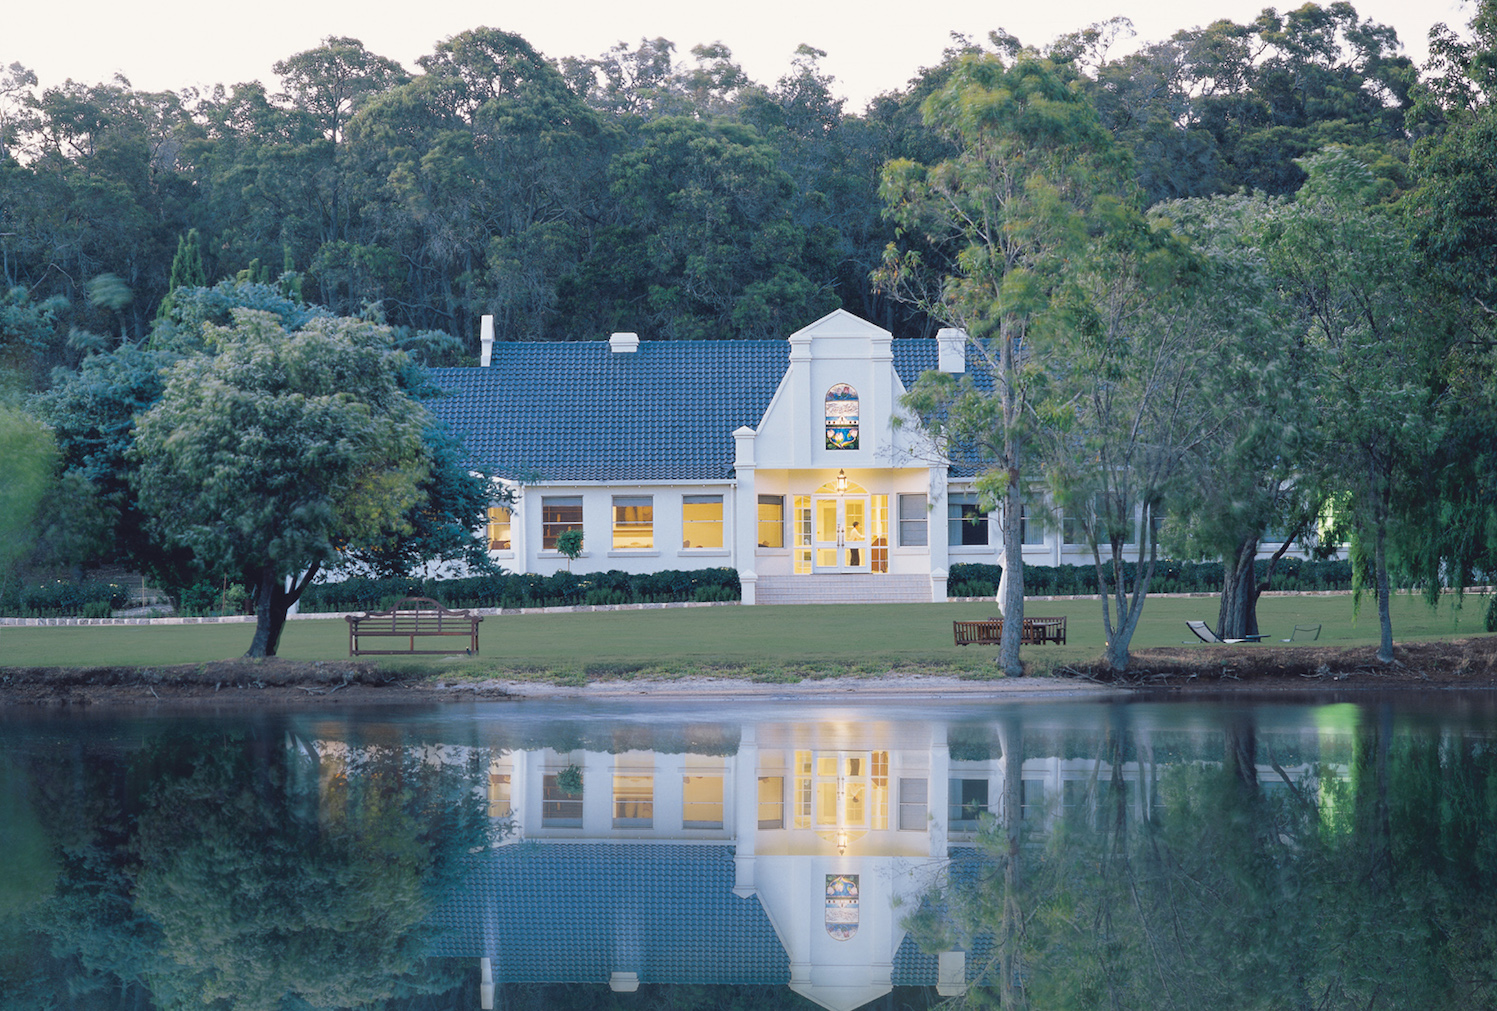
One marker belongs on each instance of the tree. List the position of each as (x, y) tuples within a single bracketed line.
[(1007, 210), (30, 455), (269, 457), (1375, 335)]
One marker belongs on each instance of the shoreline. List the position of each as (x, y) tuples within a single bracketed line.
[(1467, 664)]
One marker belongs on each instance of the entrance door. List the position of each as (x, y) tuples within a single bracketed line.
[(841, 533)]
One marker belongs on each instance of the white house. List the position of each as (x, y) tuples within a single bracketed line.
[(790, 461)]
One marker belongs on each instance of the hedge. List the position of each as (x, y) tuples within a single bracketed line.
[(524, 590), (978, 580), (59, 599)]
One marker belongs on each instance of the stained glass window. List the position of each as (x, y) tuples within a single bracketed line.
[(842, 417)]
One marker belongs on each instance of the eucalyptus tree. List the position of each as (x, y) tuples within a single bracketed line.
[(1006, 210), (1375, 334), (1254, 475)]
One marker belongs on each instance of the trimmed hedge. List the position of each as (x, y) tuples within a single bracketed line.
[(524, 590), (60, 599), (979, 580)]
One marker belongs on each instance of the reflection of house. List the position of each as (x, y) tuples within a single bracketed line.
[(790, 861)]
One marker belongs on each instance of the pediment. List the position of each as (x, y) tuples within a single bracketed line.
[(839, 324)]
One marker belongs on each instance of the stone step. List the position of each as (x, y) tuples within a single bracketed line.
[(860, 588)]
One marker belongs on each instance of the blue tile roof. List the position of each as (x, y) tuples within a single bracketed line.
[(577, 912), (912, 967), (578, 411)]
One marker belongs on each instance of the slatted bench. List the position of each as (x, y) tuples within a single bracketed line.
[(412, 618), (989, 631)]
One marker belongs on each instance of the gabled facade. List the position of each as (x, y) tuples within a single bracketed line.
[(790, 461)]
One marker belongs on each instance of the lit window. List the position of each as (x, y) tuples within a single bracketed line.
[(633, 522), (967, 522), (771, 521), (499, 528), (702, 521), (558, 515), (912, 522), (701, 802), (633, 801), (499, 795), (771, 801)]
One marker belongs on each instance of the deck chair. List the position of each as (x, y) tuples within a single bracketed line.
[(1303, 633), (1203, 632)]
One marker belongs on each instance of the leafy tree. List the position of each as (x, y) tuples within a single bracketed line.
[(30, 455), (1375, 335), (1007, 210), (267, 458)]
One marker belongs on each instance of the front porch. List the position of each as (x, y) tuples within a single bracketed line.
[(845, 588)]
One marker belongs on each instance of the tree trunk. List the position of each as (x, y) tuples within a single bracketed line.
[(1384, 617), (1011, 740), (1012, 587), (272, 603), (1237, 617)]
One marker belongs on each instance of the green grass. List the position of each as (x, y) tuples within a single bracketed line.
[(766, 643)]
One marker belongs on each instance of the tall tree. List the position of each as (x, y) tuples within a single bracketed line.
[(1007, 210), (267, 458)]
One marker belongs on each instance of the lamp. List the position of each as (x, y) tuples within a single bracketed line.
[(841, 843), (841, 481)]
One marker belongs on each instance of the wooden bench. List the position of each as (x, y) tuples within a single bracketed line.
[(989, 631), (404, 621)]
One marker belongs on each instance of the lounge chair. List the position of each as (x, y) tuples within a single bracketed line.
[(1203, 632), (1303, 633)]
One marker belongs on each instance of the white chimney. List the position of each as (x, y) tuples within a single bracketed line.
[(486, 336), (951, 350), (624, 343)]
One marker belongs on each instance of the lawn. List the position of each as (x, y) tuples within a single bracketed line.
[(831, 638)]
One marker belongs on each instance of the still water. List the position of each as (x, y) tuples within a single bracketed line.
[(1315, 854)]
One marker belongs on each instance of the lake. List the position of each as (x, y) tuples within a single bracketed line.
[(1248, 852)]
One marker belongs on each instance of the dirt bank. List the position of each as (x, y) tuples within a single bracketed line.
[(1449, 664)]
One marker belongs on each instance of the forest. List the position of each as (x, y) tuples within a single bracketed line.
[(1235, 281)]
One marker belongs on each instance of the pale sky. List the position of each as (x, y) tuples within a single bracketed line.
[(872, 46)]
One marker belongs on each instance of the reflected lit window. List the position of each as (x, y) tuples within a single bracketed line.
[(771, 801), (633, 801), (499, 795), (701, 801), (559, 809)]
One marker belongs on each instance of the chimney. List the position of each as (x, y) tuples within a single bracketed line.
[(951, 350), (624, 343), (486, 336)]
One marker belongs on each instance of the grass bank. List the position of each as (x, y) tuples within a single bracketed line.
[(763, 643)]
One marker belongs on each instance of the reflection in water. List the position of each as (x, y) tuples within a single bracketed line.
[(1036, 855)]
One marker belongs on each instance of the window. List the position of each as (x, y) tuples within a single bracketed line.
[(559, 809), (633, 522), (842, 417), (879, 553), (1072, 530), (967, 523), (558, 515), (912, 532), (633, 800), (771, 801), (966, 800), (499, 795), (801, 564), (912, 804), (771, 521), (499, 528), (701, 802), (1031, 799), (1030, 530), (702, 521)]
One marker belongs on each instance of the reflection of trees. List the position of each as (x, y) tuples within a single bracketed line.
[(1367, 885), (245, 871)]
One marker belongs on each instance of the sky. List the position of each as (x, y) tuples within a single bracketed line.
[(872, 47)]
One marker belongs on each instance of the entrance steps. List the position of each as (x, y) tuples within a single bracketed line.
[(843, 588)]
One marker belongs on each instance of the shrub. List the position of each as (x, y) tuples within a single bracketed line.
[(1293, 574), (528, 590)]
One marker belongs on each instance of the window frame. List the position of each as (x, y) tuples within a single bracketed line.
[(632, 528), (920, 503), (777, 524), (688, 543), (965, 516), (553, 525)]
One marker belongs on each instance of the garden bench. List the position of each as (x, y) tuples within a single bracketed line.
[(404, 621), (989, 631)]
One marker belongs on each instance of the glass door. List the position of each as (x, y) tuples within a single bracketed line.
[(841, 540)]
